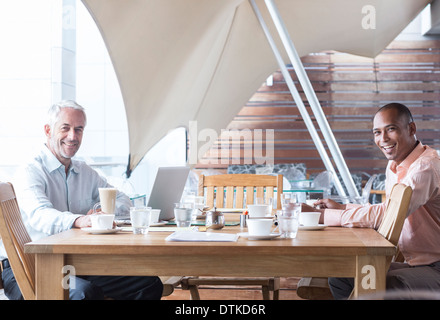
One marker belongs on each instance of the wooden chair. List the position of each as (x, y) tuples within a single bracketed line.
[(236, 184), (14, 235), (1, 281), (242, 186), (314, 288), (169, 284)]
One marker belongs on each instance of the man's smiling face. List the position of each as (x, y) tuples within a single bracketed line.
[(394, 134), (64, 139)]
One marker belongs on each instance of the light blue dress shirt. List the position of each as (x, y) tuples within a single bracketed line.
[(50, 200)]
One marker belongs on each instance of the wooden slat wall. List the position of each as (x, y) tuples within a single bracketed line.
[(350, 90)]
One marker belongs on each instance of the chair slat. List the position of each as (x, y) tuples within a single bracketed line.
[(239, 197), (260, 192), (219, 197), (229, 197), (249, 195), (269, 192), (209, 196)]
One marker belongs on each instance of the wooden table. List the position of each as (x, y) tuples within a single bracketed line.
[(335, 252)]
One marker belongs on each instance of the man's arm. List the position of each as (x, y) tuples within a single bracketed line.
[(348, 215), (40, 212)]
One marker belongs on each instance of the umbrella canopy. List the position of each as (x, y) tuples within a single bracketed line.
[(201, 60)]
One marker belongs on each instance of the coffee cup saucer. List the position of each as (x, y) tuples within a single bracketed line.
[(158, 224), (101, 231), (257, 237), (317, 227)]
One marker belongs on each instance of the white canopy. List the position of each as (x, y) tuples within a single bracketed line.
[(201, 60)]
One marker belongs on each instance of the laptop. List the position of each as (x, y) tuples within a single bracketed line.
[(167, 190)]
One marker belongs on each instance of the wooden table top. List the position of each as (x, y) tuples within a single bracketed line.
[(336, 241)]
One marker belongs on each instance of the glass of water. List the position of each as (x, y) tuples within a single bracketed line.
[(183, 215), (288, 223), (140, 219), (289, 201)]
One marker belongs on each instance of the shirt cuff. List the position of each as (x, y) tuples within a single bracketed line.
[(332, 217), (72, 220)]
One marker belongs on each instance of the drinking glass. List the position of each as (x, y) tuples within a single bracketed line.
[(140, 219), (183, 214), (289, 201), (288, 223)]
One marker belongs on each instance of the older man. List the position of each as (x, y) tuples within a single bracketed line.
[(415, 165), (56, 193)]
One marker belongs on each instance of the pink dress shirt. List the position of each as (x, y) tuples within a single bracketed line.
[(420, 238)]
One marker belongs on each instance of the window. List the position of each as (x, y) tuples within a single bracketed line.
[(52, 50)]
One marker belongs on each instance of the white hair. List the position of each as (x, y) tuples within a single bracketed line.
[(55, 109)]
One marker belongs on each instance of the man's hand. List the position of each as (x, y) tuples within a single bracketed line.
[(329, 204), (84, 221), (307, 208)]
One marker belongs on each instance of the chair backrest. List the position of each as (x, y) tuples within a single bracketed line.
[(238, 184), (15, 236), (395, 213)]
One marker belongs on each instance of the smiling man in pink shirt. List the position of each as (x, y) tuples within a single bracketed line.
[(415, 165)]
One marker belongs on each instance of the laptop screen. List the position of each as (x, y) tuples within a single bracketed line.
[(167, 190)]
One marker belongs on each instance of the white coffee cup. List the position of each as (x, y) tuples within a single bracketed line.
[(258, 210), (309, 219), (102, 221), (259, 227), (154, 215), (268, 202)]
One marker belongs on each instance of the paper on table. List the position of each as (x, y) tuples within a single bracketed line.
[(202, 236)]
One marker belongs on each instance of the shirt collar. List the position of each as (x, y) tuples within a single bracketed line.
[(52, 163), (405, 164)]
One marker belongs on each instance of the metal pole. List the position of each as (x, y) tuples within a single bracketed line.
[(302, 109), (313, 100)]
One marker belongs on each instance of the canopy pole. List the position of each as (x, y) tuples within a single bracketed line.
[(311, 97), (313, 133)]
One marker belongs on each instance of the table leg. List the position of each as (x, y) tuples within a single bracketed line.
[(370, 275), (49, 277)]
